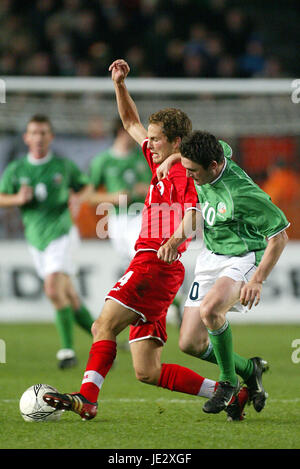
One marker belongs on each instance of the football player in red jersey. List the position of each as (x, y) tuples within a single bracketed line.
[(142, 296)]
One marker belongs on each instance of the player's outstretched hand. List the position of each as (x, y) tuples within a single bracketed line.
[(119, 70), (167, 253), (250, 294)]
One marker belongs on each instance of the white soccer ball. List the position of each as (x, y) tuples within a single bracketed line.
[(34, 409)]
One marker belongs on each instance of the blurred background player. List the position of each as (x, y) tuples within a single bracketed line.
[(40, 184), (122, 175)]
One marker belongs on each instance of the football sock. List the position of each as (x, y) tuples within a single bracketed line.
[(83, 318), (101, 358), (243, 366), (64, 321), (221, 340), (181, 379)]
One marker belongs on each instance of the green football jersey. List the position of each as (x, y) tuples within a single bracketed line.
[(119, 174), (238, 215), (47, 216)]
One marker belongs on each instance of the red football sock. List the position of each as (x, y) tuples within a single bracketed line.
[(181, 379), (102, 355)]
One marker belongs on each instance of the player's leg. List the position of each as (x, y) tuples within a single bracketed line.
[(82, 315), (218, 301), (55, 290), (113, 319), (194, 340), (213, 309), (146, 358), (146, 343), (193, 336)]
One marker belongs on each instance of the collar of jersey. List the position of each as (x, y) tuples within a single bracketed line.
[(37, 162), (221, 173)]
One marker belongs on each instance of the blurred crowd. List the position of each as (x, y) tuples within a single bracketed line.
[(162, 38)]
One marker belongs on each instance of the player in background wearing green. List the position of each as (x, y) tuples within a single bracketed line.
[(244, 236), (40, 184), (125, 175)]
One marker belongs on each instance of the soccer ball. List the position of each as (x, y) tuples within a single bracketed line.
[(34, 409)]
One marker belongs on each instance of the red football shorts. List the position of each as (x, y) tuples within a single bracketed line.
[(148, 287)]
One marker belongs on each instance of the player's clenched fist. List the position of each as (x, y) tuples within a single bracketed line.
[(167, 253), (119, 70), (24, 195)]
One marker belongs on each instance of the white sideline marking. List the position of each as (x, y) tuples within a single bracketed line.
[(171, 401)]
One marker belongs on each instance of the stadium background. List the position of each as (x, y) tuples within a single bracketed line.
[(51, 41)]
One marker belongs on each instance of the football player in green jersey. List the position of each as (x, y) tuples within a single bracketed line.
[(40, 184), (125, 175), (244, 236)]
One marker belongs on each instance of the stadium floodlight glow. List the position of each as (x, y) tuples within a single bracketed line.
[(145, 86)]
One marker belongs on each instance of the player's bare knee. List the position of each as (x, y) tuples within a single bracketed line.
[(146, 376), (208, 312), (106, 327), (94, 329), (52, 292), (192, 348), (101, 326)]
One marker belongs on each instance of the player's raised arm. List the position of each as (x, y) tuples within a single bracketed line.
[(127, 109)]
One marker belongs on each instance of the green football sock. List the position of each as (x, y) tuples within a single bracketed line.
[(83, 318), (64, 321), (243, 366), (221, 340)]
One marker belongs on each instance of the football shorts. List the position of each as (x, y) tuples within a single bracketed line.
[(149, 330), (210, 267), (59, 255), (123, 231), (148, 286)]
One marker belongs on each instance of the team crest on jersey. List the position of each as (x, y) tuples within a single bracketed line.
[(221, 209), (129, 176), (57, 178), (24, 180), (160, 186)]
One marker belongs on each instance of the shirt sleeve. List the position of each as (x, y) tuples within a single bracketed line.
[(148, 155), (96, 171), (185, 188), (8, 180), (78, 179), (257, 210)]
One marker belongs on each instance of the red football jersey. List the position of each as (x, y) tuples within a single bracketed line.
[(165, 205)]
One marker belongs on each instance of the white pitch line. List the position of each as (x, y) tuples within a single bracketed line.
[(166, 401)]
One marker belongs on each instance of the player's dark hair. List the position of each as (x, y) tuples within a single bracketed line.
[(41, 119), (202, 148), (175, 123)]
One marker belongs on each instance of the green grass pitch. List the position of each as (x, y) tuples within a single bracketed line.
[(133, 415)]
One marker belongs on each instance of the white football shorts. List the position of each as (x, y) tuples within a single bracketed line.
[(210, 267), (123, 231), (59, 255)]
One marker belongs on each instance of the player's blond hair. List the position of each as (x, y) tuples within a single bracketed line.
[(175, 123)]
